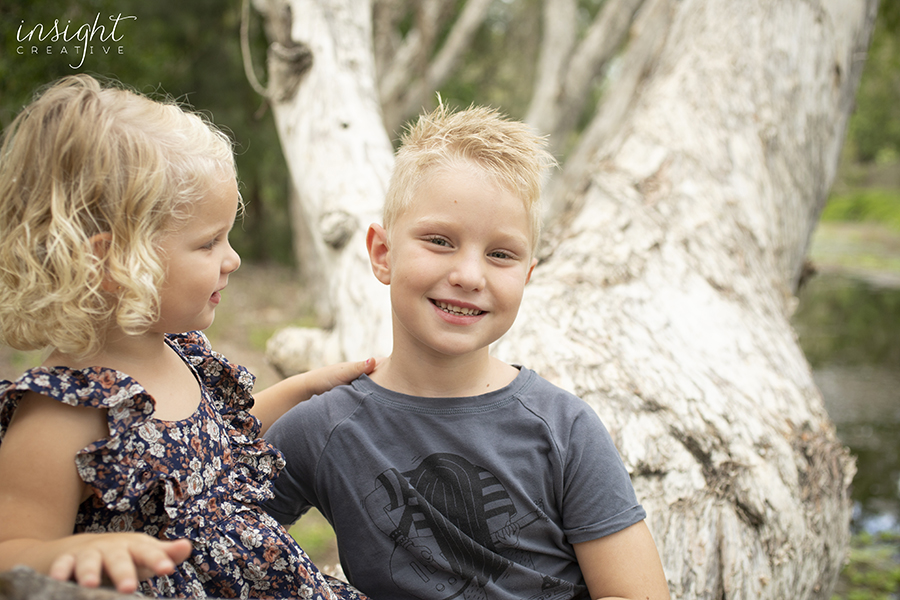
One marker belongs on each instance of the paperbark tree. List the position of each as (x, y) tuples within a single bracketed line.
[(677, 235)]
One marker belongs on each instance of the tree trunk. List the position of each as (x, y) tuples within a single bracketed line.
[(668, 274), (340, 159)]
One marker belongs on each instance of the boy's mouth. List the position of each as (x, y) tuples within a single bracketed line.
[(457, 310)]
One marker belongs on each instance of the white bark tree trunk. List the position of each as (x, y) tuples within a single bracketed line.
[(667, 278), (322, 84)]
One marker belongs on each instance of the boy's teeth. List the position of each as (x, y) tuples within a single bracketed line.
[(458, 310)]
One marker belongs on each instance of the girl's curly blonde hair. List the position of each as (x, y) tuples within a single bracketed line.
[(83, 162), (508, 151)]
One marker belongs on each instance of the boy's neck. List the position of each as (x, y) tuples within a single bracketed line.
[(443, 377)]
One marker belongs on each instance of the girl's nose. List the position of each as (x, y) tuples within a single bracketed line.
[(232, 261)]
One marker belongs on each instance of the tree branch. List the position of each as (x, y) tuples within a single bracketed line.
[(567, 73), (409, 59), (557, 43), (397, 110), (649, 35), (604, 38)]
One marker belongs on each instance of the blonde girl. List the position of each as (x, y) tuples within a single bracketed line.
[(134, 452)]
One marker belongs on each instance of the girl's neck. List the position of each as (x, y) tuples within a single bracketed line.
[(119, 352)]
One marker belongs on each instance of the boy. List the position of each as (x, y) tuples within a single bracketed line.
[(448, 473)]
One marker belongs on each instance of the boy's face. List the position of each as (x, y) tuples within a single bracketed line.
[(457, 261)]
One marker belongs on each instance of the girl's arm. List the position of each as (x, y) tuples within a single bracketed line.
[(623, 565), (39, 501), (277, 399)]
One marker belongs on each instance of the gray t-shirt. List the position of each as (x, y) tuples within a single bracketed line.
[(440, 498)]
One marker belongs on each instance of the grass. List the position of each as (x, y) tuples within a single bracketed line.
[(872, 571), (875, 205), (316, 537)]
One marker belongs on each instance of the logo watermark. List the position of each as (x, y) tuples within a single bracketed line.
[(89, 37)]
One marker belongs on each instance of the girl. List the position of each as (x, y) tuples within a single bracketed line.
[(114, 219)]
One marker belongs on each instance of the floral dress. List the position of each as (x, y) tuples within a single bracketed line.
[(202, 478)]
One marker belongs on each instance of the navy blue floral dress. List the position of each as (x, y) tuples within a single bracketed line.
[(201, 478)]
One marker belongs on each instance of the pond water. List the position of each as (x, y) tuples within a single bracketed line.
[(849, 329)]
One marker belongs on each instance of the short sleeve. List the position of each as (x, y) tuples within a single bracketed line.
[(599, 498)]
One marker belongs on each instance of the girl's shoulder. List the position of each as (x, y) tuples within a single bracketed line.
[(94, 387)]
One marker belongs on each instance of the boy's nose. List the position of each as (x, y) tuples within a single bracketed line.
[(468, 273)]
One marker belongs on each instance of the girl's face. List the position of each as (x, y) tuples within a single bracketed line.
[(198, 260)]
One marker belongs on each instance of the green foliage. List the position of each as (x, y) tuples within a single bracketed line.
[(875, 125), (877, 205), (872, 571), (186, 50)]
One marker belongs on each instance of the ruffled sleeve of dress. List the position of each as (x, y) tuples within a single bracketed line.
[(115, 467), (256, 463)]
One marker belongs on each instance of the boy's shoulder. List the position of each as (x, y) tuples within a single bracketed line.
[(551, 402), (334, 404), (542, 389)]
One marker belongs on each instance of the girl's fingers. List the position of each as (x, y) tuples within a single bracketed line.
[(177, 551), (121, 570), (62, 567), (88, 568), (123, 559)]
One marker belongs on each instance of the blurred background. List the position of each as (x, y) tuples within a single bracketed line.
[(848, 313)]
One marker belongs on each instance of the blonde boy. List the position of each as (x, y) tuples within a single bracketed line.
[(449, 473)]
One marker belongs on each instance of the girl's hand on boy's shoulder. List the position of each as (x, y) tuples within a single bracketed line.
[(124, 559), (274, 401), (323, 379)]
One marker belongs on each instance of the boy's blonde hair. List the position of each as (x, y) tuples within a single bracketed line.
[(507, 150), (85, 159)]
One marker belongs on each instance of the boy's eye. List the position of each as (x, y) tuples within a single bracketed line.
[(210, 244), (500, 254), (438, 241)]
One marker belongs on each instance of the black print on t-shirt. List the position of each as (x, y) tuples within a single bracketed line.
[(450, 521)]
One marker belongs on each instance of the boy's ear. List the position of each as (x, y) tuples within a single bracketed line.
[(379, 253), (100, 243), (534, 262)]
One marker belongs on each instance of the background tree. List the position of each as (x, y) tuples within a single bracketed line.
[(680, 222)]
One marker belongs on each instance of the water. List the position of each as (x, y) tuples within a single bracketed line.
[(849, 329)]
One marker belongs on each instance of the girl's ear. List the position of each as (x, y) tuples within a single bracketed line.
[(379, 253), (100, 243)]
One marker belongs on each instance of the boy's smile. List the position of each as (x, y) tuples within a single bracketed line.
[(457, 261)]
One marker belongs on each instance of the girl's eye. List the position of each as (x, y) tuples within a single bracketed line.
[(500, 254), (210, 244), (438, 241)]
